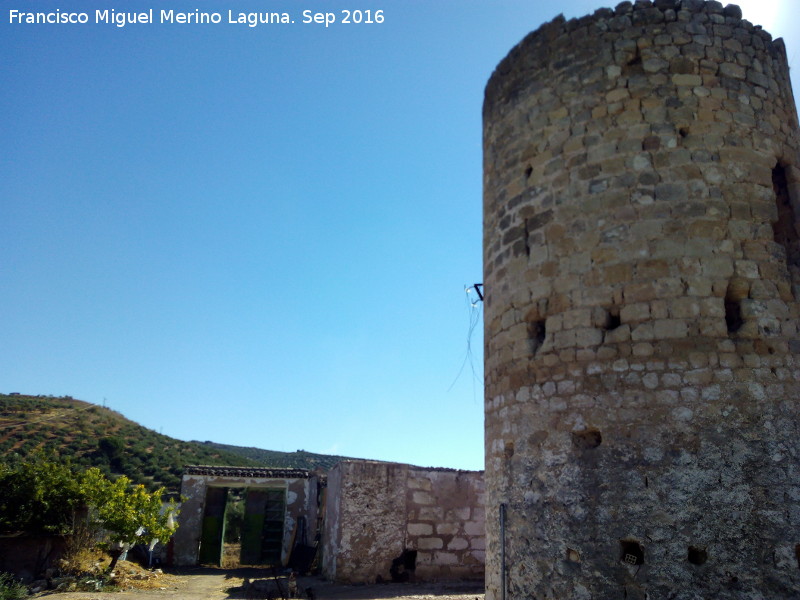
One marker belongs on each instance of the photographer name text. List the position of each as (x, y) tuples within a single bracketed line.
[(197, 17)]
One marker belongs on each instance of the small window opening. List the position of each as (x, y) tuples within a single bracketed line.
[(697, 556), (733, 312), (403, 566), (797, 554), (633, 65), (636, 59), (683, 131), (612, 319), (785, 229), (528, 171), (733, 315), (587, 440), (632, 552), (536, 334)]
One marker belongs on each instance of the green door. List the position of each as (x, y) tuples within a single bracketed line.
[(272, 531), (262, 530), (213, 526)]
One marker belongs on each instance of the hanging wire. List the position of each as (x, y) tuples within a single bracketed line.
[(474, 300)]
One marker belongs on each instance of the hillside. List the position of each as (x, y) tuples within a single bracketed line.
[(91, 435), (283, 460)]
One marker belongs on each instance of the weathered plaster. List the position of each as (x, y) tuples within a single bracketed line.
[(332, 529)]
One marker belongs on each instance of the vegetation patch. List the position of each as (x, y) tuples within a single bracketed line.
[(10, 588), (94, 436)]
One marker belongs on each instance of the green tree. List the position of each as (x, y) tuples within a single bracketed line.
[(41, 496), (129, 513), (38, 496), (112, 449)]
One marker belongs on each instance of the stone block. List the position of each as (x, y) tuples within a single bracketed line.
[(445, 558), (685, 308), (687, 80), (430, 543), (617, 95), (698, 377), (670, 329), (423, 498), (420, 529), (474, 528), (447, 528), (458, 543), (642, 332), (620, 334), (732, 70), (640, 292), (634, 313), (670, 192), (457, 514), (431, 513), (419, 483), (575, 318), (478, 543), (655, 65), (588, 336)]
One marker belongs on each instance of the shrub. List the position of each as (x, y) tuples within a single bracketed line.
[(11, 589), (38, 496)]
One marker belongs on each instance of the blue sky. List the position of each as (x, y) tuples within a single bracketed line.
[(258, 236)]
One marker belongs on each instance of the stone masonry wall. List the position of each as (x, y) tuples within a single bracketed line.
[(379, 514), (365, 520), (641, 274), (446, 523)]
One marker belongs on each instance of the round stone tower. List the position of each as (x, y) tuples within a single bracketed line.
[(642, 276)]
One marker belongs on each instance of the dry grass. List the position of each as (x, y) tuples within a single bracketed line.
[(79, 562), (88, 567), (230, 556), (129, 575)]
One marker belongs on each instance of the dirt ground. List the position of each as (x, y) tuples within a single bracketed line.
[(221, 584)]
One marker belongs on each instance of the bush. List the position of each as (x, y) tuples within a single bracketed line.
[(80, 553), (11, 589), (38, 496)]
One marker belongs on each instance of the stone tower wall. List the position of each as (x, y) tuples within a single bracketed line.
[(641, 182)]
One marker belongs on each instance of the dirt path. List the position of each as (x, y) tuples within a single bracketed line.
[(219, 584)]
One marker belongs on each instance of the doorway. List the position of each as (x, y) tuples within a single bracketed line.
[(243, 526)]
